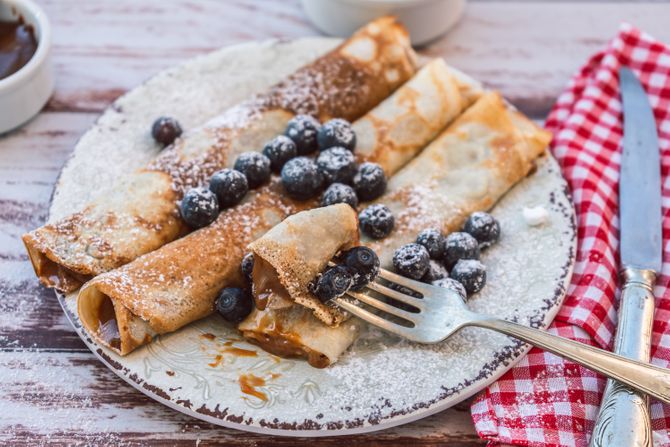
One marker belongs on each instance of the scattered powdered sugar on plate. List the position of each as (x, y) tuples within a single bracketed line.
[(382, 380)]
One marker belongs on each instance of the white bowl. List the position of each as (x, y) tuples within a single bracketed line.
[(25, 92), (425, 19)]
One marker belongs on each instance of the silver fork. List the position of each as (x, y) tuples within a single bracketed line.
[(441, 312)]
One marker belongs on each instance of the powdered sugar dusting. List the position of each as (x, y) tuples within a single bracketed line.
[(382, 379), (192, 93)]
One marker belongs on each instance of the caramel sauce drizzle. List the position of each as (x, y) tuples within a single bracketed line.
[(248, 384)]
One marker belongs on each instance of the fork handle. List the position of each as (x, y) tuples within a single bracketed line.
[(643, 377)]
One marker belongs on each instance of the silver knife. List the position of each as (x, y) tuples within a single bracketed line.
[(623, 419)]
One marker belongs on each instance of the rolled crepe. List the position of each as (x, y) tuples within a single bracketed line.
[(178, 283), (390, 134), (140, 214), (288, 319), (468, 168)]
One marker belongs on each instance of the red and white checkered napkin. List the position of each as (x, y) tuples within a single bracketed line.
[(544, 400)]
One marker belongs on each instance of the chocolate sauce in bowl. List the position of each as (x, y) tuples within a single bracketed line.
[(17, 46)]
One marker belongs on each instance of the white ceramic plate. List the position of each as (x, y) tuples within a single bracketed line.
[(382, 381)]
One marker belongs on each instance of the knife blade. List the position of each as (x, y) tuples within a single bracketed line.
[(640, 181), (623, 419)]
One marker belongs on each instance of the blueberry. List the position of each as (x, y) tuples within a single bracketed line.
[(337, 165), (363, 264), (369, 181), (459, 246), (302, 129), (411, 260), (435, 271), (432, 239), (376, 221), (483, 227), (165, 130), (247, 266), (339, 193), (334, 282), (301, 178), (453, 285), (199, 207), (255, 166), (471, 273), (280, 150), (229, 185), (336, 132), (234, 304)]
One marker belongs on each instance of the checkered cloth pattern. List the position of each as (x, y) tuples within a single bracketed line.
[(544, 400)]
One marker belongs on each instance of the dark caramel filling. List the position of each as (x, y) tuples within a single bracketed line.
[(266, 288), (58, 276), (273, 338), (268, 292), (108, 329)]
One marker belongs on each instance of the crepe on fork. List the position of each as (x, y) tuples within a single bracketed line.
[(178, 283), (140, 214), (286, 260)]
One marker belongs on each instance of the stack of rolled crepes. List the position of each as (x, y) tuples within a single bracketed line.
[(467, 167), (178, 283)]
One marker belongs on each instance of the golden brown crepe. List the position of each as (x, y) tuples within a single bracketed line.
[(178, 283), (392, 131), (140, 215), (288, 319), (467, 168)]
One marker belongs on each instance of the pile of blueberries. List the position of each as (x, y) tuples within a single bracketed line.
[(304, 174), (451, 262)]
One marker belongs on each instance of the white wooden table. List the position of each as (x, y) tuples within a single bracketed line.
[(52, 389)]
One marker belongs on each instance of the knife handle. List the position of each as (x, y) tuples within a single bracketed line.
[(623, 419)]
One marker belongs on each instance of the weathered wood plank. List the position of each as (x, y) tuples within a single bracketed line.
[(72, 398), (30, 315), (30, 160), (528, 50)]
